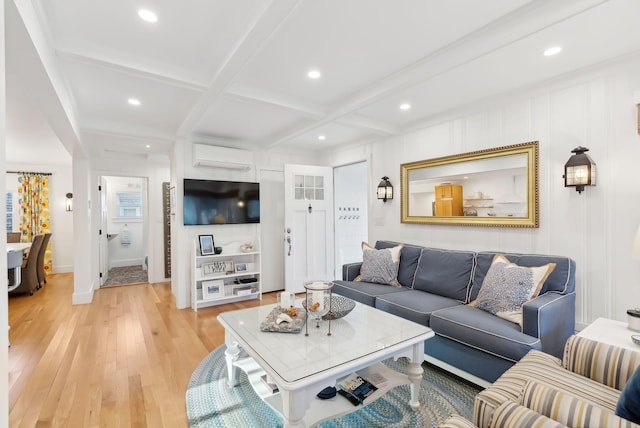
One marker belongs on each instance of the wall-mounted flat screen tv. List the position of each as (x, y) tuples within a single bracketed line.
[(220, 202)]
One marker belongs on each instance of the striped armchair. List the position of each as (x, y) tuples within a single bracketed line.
[(582, 389)]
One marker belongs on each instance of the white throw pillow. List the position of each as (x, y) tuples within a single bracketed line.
[(380, 266), (507, 286)]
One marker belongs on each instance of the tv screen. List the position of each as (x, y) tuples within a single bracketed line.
[(220, 202)]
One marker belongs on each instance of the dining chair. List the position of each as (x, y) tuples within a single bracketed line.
[(29, 273), (42, 275), (13, 237)]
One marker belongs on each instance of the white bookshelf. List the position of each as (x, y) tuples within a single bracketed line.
[(210, 289)]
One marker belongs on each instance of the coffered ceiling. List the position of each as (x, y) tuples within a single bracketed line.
[(234, 72)]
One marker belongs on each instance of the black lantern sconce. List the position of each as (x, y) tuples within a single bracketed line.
[(385, 189), (580, 170), (68, 203)]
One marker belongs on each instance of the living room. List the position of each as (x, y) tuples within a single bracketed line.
[(592, 105)]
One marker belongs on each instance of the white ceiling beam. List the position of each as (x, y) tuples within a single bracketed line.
[(130, 70), (523, 22), (278, 100), (265, 22)]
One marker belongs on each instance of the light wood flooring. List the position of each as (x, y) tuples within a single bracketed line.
[(122, 361)]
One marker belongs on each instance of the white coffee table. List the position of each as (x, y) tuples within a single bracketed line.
[(611, 332), (302, 366)]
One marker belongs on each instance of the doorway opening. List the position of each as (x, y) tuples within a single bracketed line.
[(124, 230)]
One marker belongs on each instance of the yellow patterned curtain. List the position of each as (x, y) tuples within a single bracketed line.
[(35, 218)]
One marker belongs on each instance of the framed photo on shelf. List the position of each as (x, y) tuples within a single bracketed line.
[(212, 289), (241, 267), (206, 245)]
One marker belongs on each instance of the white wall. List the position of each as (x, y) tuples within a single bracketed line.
[(60, 183), (270, 236), (594, 109)]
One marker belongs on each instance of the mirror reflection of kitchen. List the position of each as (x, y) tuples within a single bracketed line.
[(495, 187)]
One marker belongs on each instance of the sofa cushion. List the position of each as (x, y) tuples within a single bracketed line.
[(414, 305), (445, 273), (566, 408), (364, 292), (380, 266), (629, 403), (408, 260), (562, 279), (507, 286), (482, 330)]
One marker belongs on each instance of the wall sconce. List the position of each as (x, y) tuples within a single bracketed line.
[(68, 203), (580, 170), (385, 189)]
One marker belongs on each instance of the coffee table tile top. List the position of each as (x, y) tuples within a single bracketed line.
[(296, 356)]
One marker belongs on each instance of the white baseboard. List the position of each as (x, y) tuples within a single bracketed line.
[(62, 269), (125, 262), (82, 298)]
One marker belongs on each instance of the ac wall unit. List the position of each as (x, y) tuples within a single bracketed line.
[(221, 157)]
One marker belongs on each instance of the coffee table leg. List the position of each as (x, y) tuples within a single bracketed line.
[(294, 406), (231, 355), (414, 373)]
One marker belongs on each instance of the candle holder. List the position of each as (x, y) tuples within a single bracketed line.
[(318, 302)]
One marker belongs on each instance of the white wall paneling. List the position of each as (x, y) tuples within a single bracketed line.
[(593, 109)]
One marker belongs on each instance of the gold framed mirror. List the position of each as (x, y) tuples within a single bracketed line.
[(495, 187)]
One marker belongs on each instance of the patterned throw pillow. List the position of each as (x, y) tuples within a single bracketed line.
[(507, 286), (380, 266)]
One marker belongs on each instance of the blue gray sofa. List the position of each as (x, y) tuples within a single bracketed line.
[(437, 286)]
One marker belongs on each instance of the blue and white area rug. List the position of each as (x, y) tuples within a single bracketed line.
[(211, 403)]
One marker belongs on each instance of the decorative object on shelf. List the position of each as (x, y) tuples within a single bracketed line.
[(318, 301), (212, 289), (217, 250), (241, 267), (470, 212), (206, 245), (246, 247), (385, 189), (218, 268), (580, 170), (68, 203), (340, 307)]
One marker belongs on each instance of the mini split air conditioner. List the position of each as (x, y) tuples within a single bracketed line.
[(221, 157)]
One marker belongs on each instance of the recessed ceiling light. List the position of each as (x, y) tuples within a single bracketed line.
[(322, 137), (134, 101), (405, 106), (314, 74), (552, 51), (148, 146), (147, 15)]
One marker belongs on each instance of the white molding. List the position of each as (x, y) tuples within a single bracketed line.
[(83, 298)]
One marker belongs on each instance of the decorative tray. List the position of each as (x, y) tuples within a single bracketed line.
[(269, 324)]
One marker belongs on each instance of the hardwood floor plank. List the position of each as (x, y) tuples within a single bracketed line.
[(122, 361)]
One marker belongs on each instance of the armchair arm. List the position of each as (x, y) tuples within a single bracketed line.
[(551, 318), (607, 364), (568, 409), (350, 271)]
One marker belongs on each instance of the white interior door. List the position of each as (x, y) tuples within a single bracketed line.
[(104, 243), (309, 253)]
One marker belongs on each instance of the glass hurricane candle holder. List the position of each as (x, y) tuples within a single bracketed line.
[(318, 302)]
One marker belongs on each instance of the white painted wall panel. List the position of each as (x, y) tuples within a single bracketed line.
[(593, 109)]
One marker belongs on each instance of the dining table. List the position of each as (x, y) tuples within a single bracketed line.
[(15, 254)]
